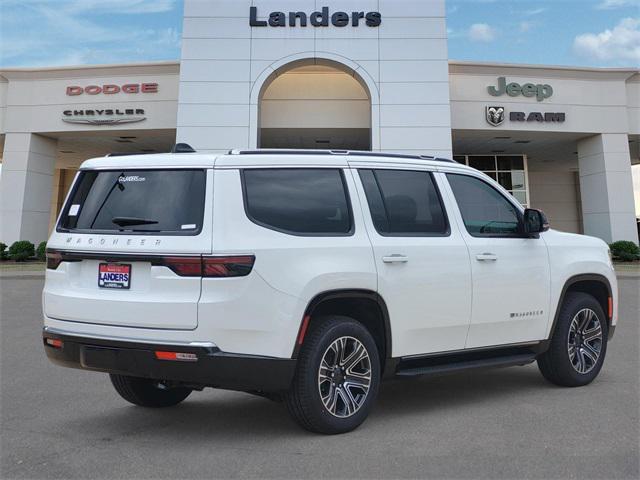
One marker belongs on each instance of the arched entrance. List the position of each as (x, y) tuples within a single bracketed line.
[(315, 104)]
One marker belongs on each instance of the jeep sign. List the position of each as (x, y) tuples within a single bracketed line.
[(514, 89)]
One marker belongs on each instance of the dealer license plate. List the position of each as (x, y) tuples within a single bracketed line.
[(114, 275)]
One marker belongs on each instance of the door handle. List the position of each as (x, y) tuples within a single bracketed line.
[(395, 258), (486, 257)]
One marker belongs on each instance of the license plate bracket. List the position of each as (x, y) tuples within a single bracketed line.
[(114, 275)]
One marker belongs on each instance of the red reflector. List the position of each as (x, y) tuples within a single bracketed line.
[(238, 266), (610, 307), (176, 356), (54, 342), (184, 266), (303, 329)]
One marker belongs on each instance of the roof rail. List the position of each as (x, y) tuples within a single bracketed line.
[(182, 148), (177, 148), (350, 153), (126, 154)]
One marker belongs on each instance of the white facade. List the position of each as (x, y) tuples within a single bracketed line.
[(402, 64), (386, 87)]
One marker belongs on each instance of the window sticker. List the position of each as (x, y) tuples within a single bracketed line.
[(189, 226), (73, 211)]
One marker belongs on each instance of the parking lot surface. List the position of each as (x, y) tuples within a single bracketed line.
[(509, 423)]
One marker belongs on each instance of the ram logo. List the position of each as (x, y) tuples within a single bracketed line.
[(495, 115)]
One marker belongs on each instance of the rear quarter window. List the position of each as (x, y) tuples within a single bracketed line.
[(298, 201), (161, 202)]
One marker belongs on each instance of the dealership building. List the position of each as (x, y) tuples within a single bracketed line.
[(333, 74)]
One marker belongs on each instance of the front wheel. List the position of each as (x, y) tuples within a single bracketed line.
[(579, 343), (146, 392), (337, 377)]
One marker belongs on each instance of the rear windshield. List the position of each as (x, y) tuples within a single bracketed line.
[(169, 202)]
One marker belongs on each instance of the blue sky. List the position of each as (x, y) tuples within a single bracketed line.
[(563, 32), (560, 32)]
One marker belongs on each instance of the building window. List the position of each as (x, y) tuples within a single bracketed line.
[(510, 171)]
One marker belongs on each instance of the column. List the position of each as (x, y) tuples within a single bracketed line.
[(606, 187), (26, 187)]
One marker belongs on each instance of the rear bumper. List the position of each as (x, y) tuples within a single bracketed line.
[(213, 368)]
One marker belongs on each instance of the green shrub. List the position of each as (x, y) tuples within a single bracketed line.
[(3, 251), (41, 251), (22, 250), (625, 251)]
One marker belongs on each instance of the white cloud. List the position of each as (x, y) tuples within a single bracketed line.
[(525, 27), (481, 32), (611, 4), (619, 45), (535, 11)]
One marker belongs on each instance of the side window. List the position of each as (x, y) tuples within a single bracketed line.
[(404, 203), (485, 211), (299, 201)]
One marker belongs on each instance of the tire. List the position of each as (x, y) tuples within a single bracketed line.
[(558, 364), (145, 392), (313, 401)]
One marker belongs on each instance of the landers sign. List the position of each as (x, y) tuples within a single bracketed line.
[(317, 19)]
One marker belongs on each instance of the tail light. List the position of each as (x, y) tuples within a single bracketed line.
[(187, 266), (227, 266), (184, 266), (210, 267), (54, 259)]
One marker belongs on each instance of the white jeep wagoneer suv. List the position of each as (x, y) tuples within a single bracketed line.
[(310, 276)]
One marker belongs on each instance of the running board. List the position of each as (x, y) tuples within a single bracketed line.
[(457, 363)]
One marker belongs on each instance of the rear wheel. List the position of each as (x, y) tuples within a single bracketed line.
[(579, 343), (146, 392), (337, 377)]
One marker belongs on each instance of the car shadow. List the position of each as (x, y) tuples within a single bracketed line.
[(211, 413), (432, 395)]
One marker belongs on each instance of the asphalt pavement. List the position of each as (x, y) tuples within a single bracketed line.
[(508, 423)]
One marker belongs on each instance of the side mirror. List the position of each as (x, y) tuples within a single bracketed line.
[(535, 221)]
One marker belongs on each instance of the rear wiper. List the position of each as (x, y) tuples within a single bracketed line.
[(130, 221)]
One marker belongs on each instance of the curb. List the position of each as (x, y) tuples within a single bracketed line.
[(17, 275)]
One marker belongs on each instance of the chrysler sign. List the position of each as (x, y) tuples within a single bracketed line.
[(321, 18), (104, 116)]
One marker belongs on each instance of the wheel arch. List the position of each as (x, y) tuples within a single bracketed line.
[(595, 285), (365, 306)]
